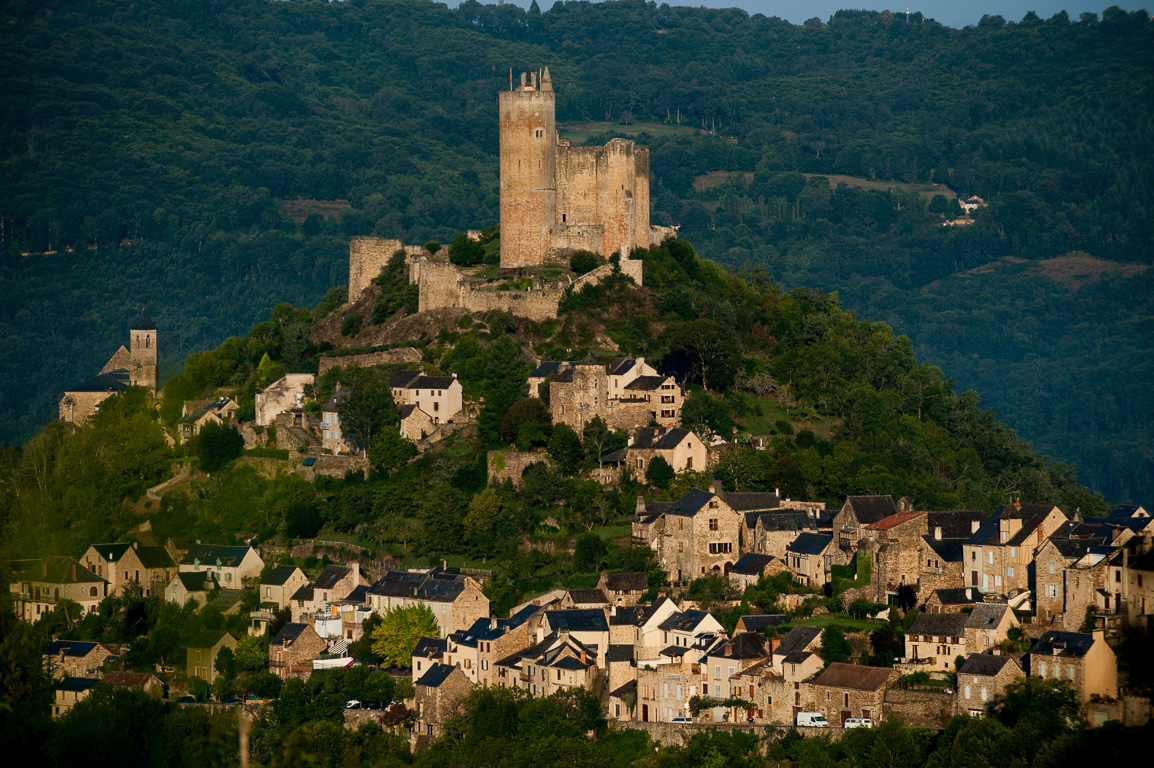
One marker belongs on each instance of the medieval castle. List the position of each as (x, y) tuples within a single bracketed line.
[(556, 199)]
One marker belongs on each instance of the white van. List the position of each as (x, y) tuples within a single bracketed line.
[(811, 720), (859, 722)]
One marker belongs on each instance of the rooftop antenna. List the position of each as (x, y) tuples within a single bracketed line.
[(510, 78)]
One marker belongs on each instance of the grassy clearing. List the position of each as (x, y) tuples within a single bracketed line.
[(841, 620), (580, 132), (708, 181)]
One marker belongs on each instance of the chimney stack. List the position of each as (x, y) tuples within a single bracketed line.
[(712, 488), (938, 532), (974, 525), (74, 571), (44, 569)]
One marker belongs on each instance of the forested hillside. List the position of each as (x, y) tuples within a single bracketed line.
[(208, 160)]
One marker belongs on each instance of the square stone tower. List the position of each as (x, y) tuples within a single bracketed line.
[(142, 370), (528, 170)]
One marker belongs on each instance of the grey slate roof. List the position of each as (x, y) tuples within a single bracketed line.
[(113, 552), (143, 323), (986, 615), (870, 509), (809, 543), (750, 501), (331, 576), (587, 596), (155, 557), (434, 586), (402, 379), (958, 595), (304, 594), (546, 368), (751, 564), (659, 438), (1031, 516), (437, 674), (194, 581), (74, 648), (278, 575), (635, 581), (76, 684), (746, 645), (578, 620), (686, 621), (208, 555), (431, 647), (290, 631), (798, 639), (432, 382), (646, 383), (985, 664), (1067, 644), (620, 652), (947, 550), (955, 524), (690, 504), (621, 365), (340, 394), (113, 381), (942, 624), (760, 622)]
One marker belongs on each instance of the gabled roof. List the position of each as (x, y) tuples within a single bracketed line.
[(225, 600), (572, 663), (143, 323), (402, 379), (1127, 512), (431, 647), (942, 624), (155, 557), (871, 509), (289, 632), (986, 664), (136, 680), (1031, 516), (1068, 644), (578, 620), (278, 575), (206, 638), (635, 581), (785, 520), (432, 586), (760, 622), (437, 674), (582, 596), (116, 380), (304, 594), (986, 615), (659, 438), (432, 382), (195, 581), (947, 550), (798, 639), (646, 383), (690, 504), (686, 621), (621, 652), (620, 692), (546, 368), (55, 569), (958, 595), (751, 501), (746, 645), (340, 394), (854, 676), (112, 552), (209, 555), (73, 648), (751, 564), (76, 684), (621, 365), (331, 576), (810, 543), (893, 521), (955, 524)]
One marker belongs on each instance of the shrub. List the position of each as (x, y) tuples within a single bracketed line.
[(584, 262), (351, 325)]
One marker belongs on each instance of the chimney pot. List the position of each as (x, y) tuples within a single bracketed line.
[(712, 488), (44, 568), (938, 532), (74, 571)]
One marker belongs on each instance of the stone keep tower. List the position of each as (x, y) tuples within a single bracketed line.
[(528, 170), (142, 370)]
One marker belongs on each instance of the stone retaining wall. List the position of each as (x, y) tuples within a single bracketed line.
[(679, 734), (384, 357)]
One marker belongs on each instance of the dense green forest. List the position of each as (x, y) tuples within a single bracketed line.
[(208, 160)]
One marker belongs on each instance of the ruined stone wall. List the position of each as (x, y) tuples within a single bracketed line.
[(616, 198), (367, 257), (439, 286), (629, 415), (919, 709), (510, 465), (679, 734), (534, 305), (575, 403), (335, 466), (577, 185), (657, 234), (369, 359)]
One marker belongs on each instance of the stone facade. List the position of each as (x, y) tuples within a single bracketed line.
[(126, 563), (291, 652), (583, 390), (203, 651), (437, 696), (697, 535), (982, 682), (135, 367), (893, 550), (74, 658), (282, 395), (663, 693), (999, 555), (847, 690), (38, 588), (1086, 661)]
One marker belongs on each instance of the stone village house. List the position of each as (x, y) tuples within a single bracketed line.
[(982, 682), (203, 651), (127, 563), (997, 558), (291, 652), (38, 588)]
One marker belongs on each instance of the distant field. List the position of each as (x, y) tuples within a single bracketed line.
[(713, 179), (579, 132), (1074, 269)]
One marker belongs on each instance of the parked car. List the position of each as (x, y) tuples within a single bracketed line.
[(352, 704), (186, 700), (231, 702), (859, 722), (682, 720), (811, 720)]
